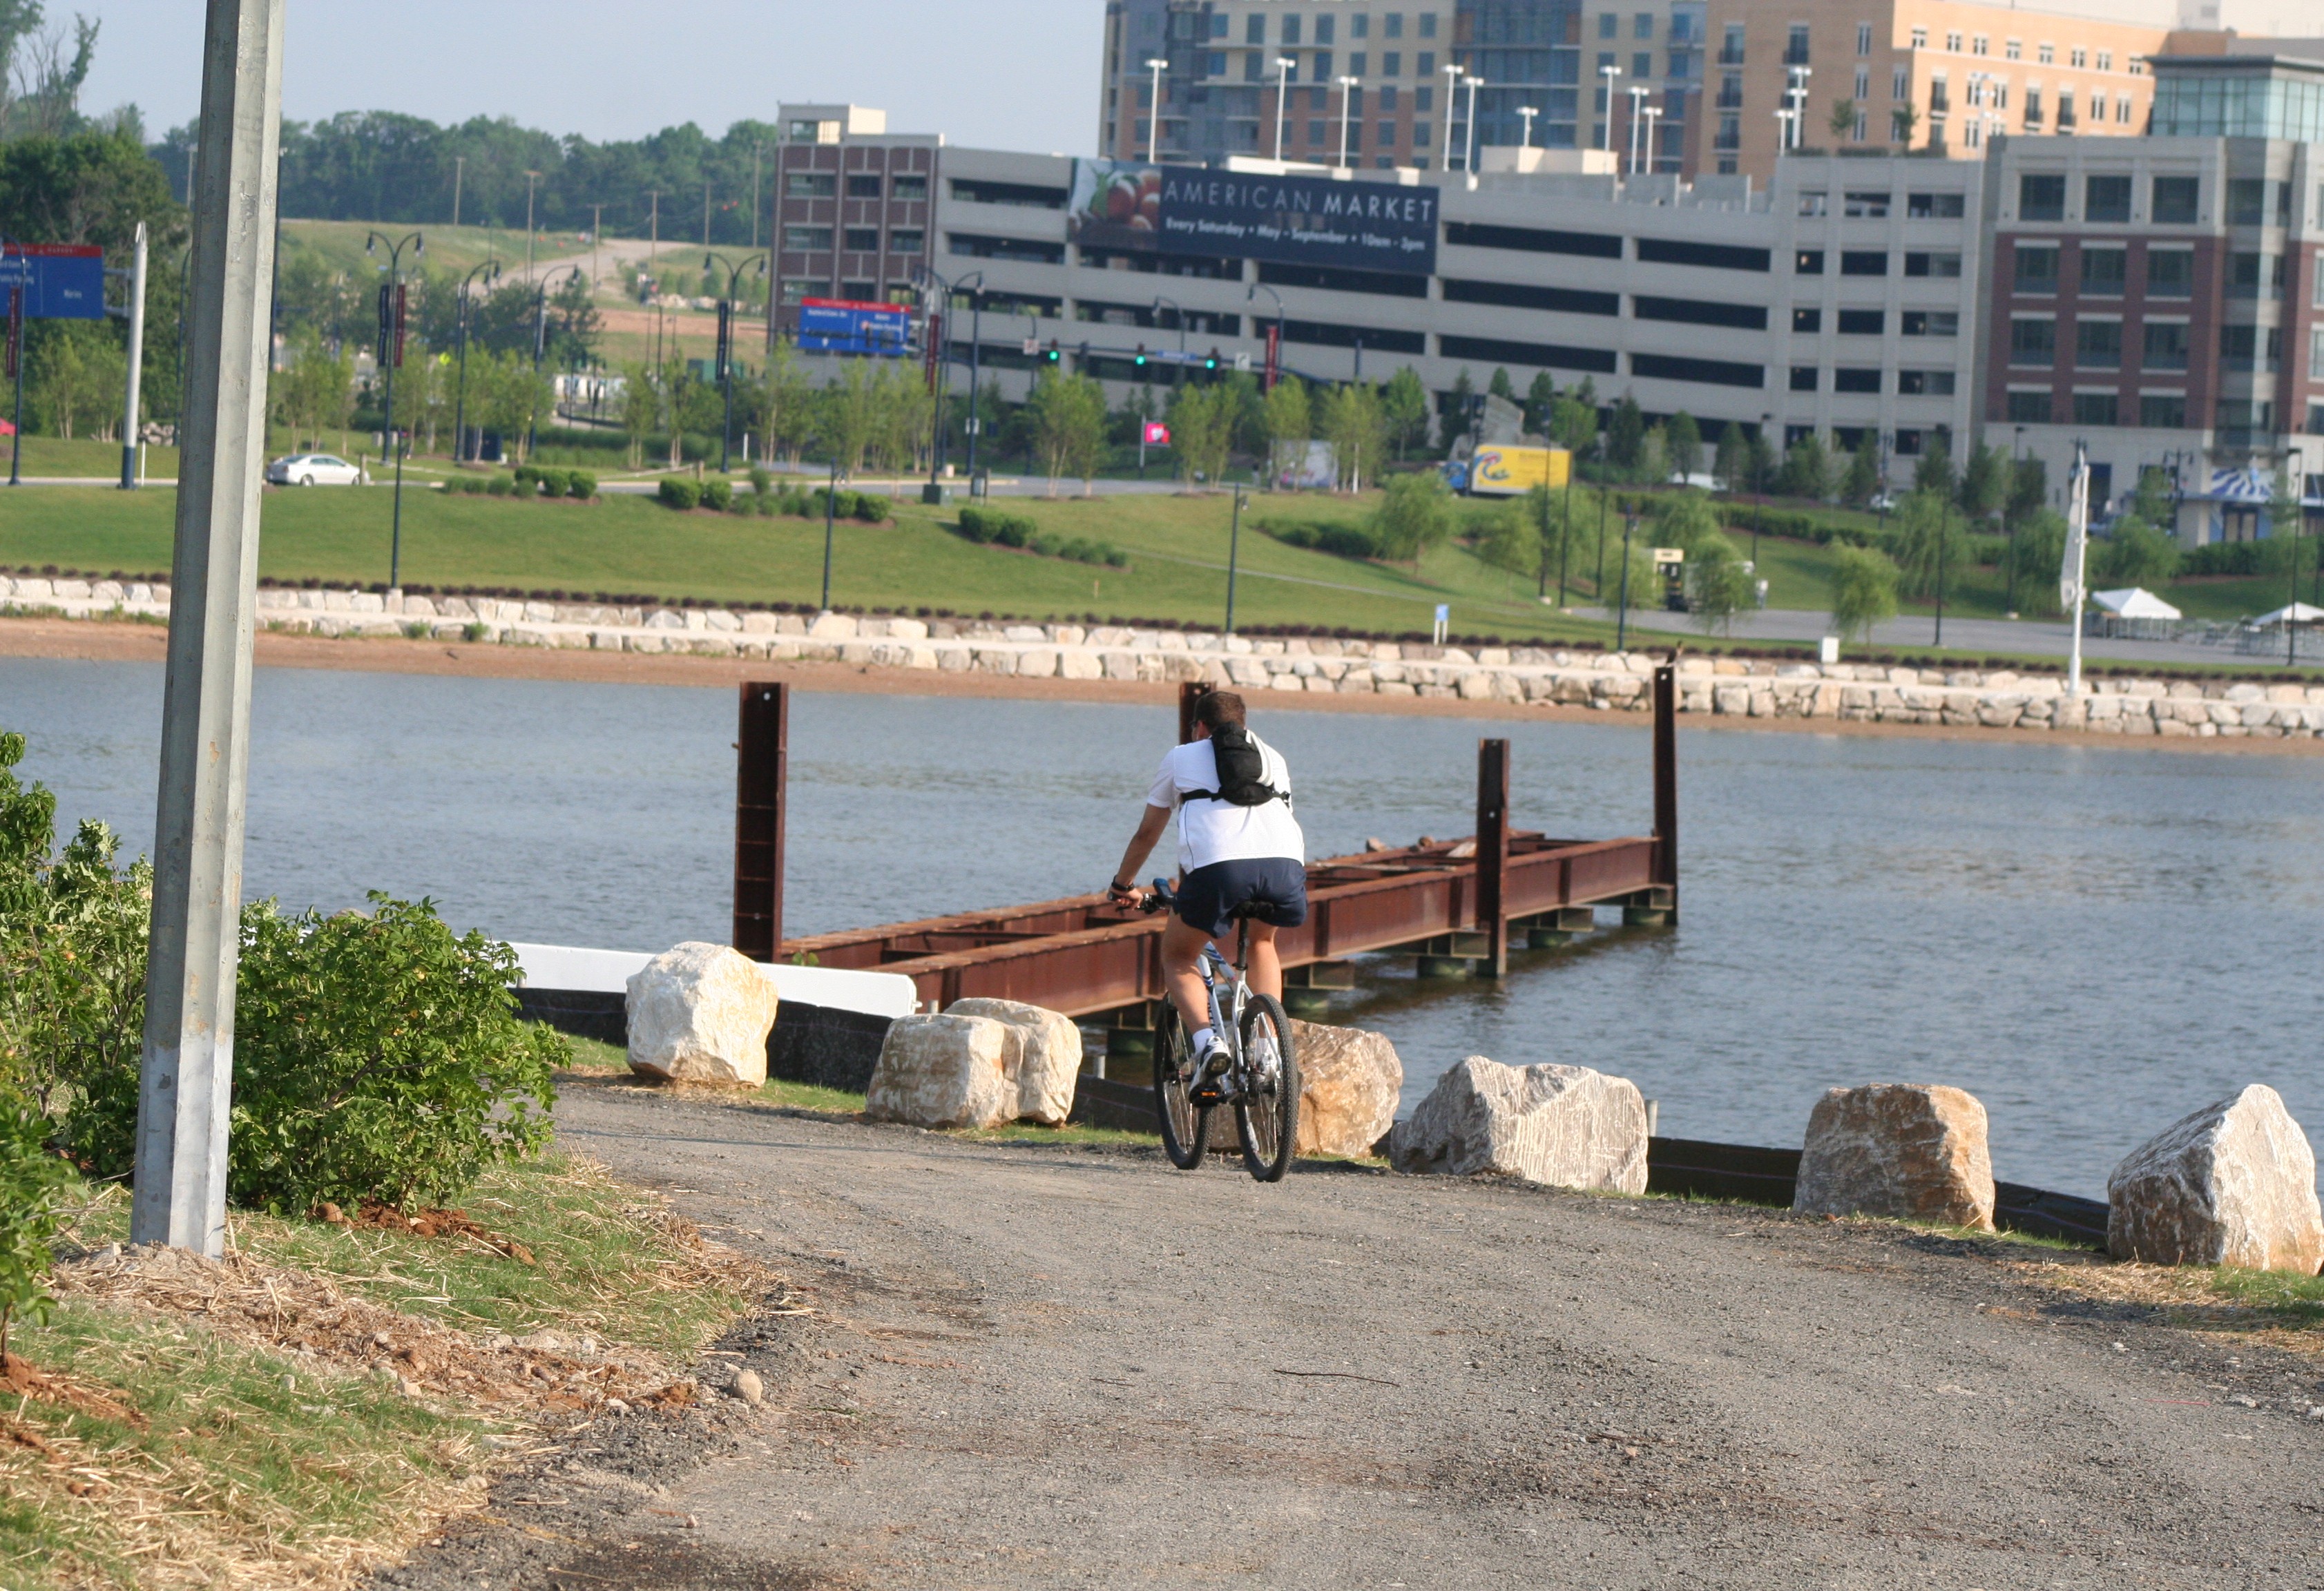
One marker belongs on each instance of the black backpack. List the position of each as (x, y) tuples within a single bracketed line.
[(1242, 770)]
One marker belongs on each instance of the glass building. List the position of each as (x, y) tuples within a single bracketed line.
[(2240, 96)]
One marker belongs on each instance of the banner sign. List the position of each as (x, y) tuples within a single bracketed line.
[(62, 282), (1156, 434), (843, 325), (1298, 220)]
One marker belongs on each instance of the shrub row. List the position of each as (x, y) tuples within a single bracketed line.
[(683, 493), (1340, 540), (528, 481), (992, 528)]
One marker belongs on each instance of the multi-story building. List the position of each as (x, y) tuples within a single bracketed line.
[(2160, 300), (1841, 302), (854, 208)]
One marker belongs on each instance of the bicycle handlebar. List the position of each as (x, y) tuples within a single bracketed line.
[(1160, 899)]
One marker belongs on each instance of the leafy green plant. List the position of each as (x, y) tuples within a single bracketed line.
[(1863, 590), (378, 1057), (717, 496), (1341, 541), (31, 1179), (581, 484), (554, 483), (675, 492), (501, 485), (762, 483)]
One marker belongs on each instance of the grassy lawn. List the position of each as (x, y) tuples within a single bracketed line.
[(231, 1420), (340, 245)]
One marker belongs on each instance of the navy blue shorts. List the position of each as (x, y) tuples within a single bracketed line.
[(1275, 885)]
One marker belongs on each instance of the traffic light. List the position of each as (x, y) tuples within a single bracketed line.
[(1050, 353), (1211, 361), (1142, 356)]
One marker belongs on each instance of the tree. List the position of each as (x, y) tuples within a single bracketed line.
[(2154, 500), (1501, 386), (1843, 119), (1414, 515), (1934, 472), (1722, 586), (781, 402), (641, 408), (74, 371), (2133, 553), (2036, 552), (1068, 416), (1732, 463), (1683, 437), (1924, 532), (1902, 121), (1404, 407), (1684, 519), (1625, 435), (1460, 406), (847, 414), (1574, 425), (1863, 590), (1984, 482), (1352, 423), (1806, 471), (1286, 416), (1541, 401), (1201, 424), (1861, 483), (2029, 491)]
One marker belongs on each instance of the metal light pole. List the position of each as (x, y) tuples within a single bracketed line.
[(16, 361), (186, 1058), (1283, 65), (1469, 160), (1622, 615), (1157, 66), (975, 343), (540, 347), (1177, 318), (491, 272), (1653, 118), (1234, 551), (725, 362), (1529, 112), (392, 355), (1452, 87), (530, 180), (830, 497), (1944, 534), (1605, 133), (131, 398), (1637, 93), (1347, 86)]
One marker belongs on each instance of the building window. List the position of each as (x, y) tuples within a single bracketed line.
[(2106, 61), (2095, 409), (1391, 63), (2040, 196), (1952, 43), (909, 190), (1314, 133), (1323, 73), (2011, 50), (1863, 262), (1814, 204), (1925, 383), (1980, 46), (861, 240), (1642, 25), (1642, 66), (1610, 27), (2098, 344), (1808, 263), (1932, 206), (2122, 110), (1863, 322), (1360, 26), (1384, 135), (2029, 408), (1920, 37), (2032, 106), (2079, 59), (2033, 340), (1869, 206), (1803, 378), (811, 184), (1856, 380), (1291, 28), (906, 240), (1254, 28), (2163, 412), (1931, 323), (1731, 52), (1324, 29), (1933, 264), (1393, 27), (1428, 25), (2106, 198), (2246, 201), (1214, 62), (1387, 98), (2166, 344), (1795, 45), (2047, 55), (1356, 63), (2037, 268), (1807, 317), (1863, 83), (1863, 39), (2106, 272), (864, 187), (1423, 65), (1900, 83), (2170, 273), (807, 239)]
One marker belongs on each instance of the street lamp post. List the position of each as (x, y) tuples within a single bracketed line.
[(1251, 296), (531, 181), (1283, 65), (1452, 87), (1638, 92), (1234, 549), (490, 271), (1468, 160), (1654, 122), (1347, 96), (1157, 65), (1528, 113), (830, 497), (725, 367), (394, 353), (1622, 617), (1606, 132), (540, 346), (1177, 317)]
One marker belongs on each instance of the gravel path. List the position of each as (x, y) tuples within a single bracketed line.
[(1056, 1367)]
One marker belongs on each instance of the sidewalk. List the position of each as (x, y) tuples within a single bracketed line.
[(2036, 638)]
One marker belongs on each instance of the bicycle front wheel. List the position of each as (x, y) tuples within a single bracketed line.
[(1267, 1114), (1184, 1128)]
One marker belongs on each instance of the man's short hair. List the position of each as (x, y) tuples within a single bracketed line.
[(1216, 710)]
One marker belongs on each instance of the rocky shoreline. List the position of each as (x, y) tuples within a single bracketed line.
[(1543, 675)]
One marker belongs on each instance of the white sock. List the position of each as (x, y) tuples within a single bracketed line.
[(1202, 1041)]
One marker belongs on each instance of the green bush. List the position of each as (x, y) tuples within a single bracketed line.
[(527, 477), (1046, 545), (378, 1057), (678, 493), (31, 1179), (799, 504), (976, 524), (870, 510), (501, 485), (718, 495), (580, 483), (554, 483), (762, 483), (764, 505), (1341, 541)]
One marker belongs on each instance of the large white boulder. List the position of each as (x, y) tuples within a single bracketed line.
[(701, 1012), (943, 1071), (1041, 1055), (2232, 1184), (1915, 1152), (1349, 1082), (1565, 1126)]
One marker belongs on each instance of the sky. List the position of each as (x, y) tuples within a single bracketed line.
[(1023, 77)]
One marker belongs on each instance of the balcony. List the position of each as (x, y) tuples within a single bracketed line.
[(1730, 54), (1730, 96)]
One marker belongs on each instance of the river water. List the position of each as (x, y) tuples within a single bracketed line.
[(2092, 940)]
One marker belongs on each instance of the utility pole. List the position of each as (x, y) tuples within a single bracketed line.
[(131, 398), (459, 169), (530, 178), (706, 215), (187, 1061)]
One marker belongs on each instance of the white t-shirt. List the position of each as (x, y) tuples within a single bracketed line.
[(1219, 831)]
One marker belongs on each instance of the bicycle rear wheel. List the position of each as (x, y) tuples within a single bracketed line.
[(1267, 1116), (1184, 1128)]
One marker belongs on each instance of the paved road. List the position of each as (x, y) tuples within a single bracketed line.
[(1050, 1367)]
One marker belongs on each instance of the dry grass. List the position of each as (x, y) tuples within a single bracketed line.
[(2277, 1307), (300, 1413)]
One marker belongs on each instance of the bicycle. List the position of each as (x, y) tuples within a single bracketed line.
[(1261, 1081)]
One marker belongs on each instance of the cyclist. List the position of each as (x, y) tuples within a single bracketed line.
[(1239, 847)]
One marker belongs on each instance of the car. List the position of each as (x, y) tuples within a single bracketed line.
[(1884, 503), (315, 469)]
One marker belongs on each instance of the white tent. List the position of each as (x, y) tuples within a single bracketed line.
[(2133, 603), (2297, 613)]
